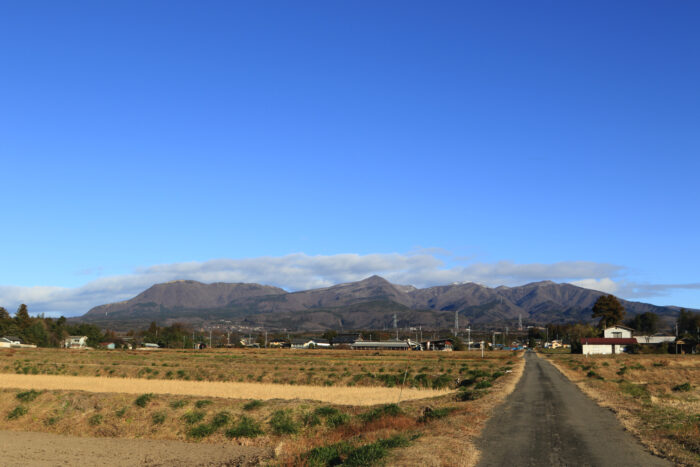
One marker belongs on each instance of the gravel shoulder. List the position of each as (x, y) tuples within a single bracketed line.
[(19, 448), (547, 420)]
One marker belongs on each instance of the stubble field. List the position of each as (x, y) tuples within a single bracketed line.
[(290, 403), (657, 397)]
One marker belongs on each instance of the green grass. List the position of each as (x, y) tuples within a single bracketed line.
[(158, 418), (246, 427), (282, 423), (143, 400), (436, 414), (95, 420), (28, 396), (345, 453), (390, 410), (221, 419), (200, 404), (252, 405), (178, 404), (16, 412), (201, 431), (637, 391), (193, 417), (685, 387)]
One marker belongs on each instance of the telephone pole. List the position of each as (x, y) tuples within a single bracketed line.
[(456, 322)]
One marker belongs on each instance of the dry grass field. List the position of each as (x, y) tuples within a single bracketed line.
[(657, 397), (299, 429)]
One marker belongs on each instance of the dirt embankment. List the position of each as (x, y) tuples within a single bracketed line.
[(46, 449)]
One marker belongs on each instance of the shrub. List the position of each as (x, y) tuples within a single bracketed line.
[(143, 400), (469, 395), (333, 421), (252, 405), (158, 418), (200, 404), (178, 404), (221, 419), (120, 412), (497, 374), (16, 412), (310, 419), (442, 381), (245, 428), (328, 455), (369, 454), (685, 387), (95, 420), (28, 396), (282, 423), (326, 410), (483, 384), (193, 417), (201, 431), (634, 390), (435, 414), (390, 410), (51, 421)]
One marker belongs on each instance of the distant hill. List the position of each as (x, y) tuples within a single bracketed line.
[(366, 304)]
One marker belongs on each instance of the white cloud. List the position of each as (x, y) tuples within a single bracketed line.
[(300, 271)]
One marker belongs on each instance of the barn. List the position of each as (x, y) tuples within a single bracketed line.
[(605, 345)]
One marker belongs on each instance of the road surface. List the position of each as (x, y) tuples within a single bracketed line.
[(548, 421), (18, 448)]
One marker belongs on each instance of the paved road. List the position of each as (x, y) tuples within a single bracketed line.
[(548, 421)]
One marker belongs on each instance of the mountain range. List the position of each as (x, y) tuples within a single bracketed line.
[(367, 304)]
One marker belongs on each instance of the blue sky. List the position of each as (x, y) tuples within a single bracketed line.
[(298, 143)]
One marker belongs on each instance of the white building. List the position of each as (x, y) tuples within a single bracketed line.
[(618, 332), (655, 339), (75, 342)]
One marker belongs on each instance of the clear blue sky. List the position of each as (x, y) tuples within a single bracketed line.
[(141, 133)]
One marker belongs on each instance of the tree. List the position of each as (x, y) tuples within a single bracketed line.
[(688, 322), (4, 315), (609, 310), (22, 316), (648, 322)]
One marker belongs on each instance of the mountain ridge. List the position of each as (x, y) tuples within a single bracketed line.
[(368, 303)]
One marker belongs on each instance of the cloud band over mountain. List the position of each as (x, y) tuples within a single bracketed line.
[(300, 271)]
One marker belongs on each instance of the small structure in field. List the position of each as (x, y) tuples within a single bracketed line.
[(655, 339), (320, 343), (605, 345), (108, 345), (380, 345), (439, 344), (301, 343), (75, 342), (279, 344)]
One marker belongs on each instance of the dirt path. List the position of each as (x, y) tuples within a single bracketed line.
[(549, 421), (18, 448)]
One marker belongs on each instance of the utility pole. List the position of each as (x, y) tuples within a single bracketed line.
[(520, 322), (265, 339), (396, 328), (210, 342), (469, 338), (456, 322)]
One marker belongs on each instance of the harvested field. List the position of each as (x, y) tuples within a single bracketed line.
[(316, 420), (334, 395), (656, 397)]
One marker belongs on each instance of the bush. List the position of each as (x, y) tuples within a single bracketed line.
[(310, 419), (28, 396), (158, 418), (685, 387), (221, 419), (469, 395), (120, 412), (17, 412), (193, 417), (434, 414), (143, 400), (95, 420), (245, 428), (200, 404), (178, 404), (390, 410), (201, 431), (483, 384), (252, 405), (282, 423), (369, 454), (336, 420), (328, 455)]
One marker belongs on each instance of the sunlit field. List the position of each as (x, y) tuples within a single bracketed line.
[(309, 406), (655, 396)]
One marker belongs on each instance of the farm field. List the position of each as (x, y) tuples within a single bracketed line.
[(657, 397), (301, 423)]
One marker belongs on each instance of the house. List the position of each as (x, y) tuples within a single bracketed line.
[(618, 332), (439, 344), (320, 343), (605, 345), (380, 345), (346, 339), (249, 342), (75, 342), (300, 343), (655, 339), (11, 341), (279, 343)]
